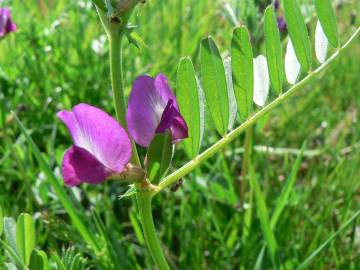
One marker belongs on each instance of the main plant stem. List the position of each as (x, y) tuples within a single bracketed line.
[(115, 40), (144, 203), (143, 197)]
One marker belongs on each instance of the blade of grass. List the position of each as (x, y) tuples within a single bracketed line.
[(285, 193), (282, 201), (263, 215), (308, 260)]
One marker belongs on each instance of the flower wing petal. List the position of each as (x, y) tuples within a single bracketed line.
[(80, 166), (172, 119), (145, 109)]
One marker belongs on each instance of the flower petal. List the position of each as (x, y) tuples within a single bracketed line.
[(171, 119), (179, 129), (99, 134), (146, 115), (162, 86), (80, 166), (6, 23)]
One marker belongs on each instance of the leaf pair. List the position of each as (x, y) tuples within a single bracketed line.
[(298, 32)]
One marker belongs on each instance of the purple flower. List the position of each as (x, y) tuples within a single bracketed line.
[(281, 24), (101, 149), (153, 109), (276, 4), (6, 23)]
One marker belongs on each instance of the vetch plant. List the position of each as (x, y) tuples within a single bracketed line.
[(6, 23), (156, 119)]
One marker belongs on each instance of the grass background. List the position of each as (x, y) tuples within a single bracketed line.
[(50, 64)]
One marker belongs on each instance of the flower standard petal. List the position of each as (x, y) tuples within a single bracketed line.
[(163, 88), (144, 110), (99, 134), (152, 109)]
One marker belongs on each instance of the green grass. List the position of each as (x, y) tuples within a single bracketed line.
[(49, 65)]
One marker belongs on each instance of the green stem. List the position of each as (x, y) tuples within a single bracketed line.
[(212, 150), (115, 40), (144, 197), (245, 163), (144, 203)]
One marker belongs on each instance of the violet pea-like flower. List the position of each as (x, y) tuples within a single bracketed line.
[(281, 24), (6, 23), (153, 109), (101, 149)]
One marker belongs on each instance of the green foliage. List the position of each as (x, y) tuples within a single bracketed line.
[(243, 78), (327, 19), (25, 237), (70, 260), (188, 98), (1, 221), (214, 84), (49, 64), (263, 215), (274, 55), (39, 260), (298, 33), (159, 156)]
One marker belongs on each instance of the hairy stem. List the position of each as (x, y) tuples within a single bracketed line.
[(147, 221), (212, 150)]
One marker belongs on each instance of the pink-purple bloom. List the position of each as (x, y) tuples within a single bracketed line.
[(281, 24), (6, 23), (153, 109), (276, 4), (101, 147)]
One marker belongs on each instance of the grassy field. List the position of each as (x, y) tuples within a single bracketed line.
[(58, 58)]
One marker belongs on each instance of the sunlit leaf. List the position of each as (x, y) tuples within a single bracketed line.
[(274, 53), (263, 214), (39, 260), (25, 236), (327, 19), (261, 80), (242, 71), (214, 84), (188, 99), (321, 43), (292, 65), (298, 33)]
